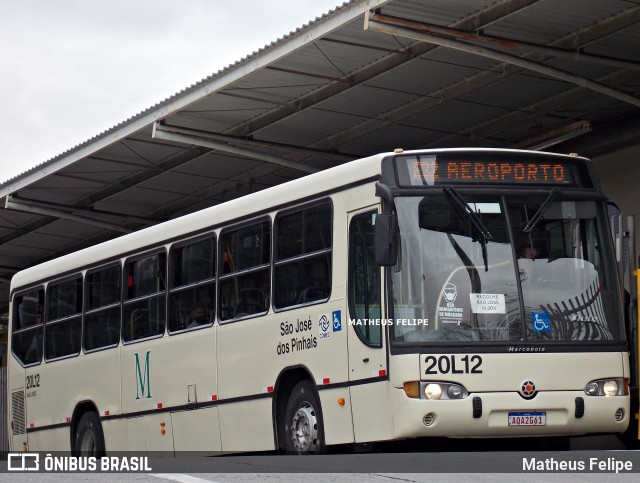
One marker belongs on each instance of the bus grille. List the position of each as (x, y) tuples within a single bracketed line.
[(18, 425), (619, 416)]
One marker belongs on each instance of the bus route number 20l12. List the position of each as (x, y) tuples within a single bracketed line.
[(452, 364)]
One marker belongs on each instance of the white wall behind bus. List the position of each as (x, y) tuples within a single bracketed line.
[(619, 173), (4, 431)]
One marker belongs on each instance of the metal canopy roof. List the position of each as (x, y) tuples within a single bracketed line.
[(334, 91)]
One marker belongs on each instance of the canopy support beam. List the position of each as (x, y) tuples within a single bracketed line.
[(12, 204), (200, 139), (417, 31)]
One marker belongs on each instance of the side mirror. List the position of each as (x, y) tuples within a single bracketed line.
[(620, 237), (386, 240)]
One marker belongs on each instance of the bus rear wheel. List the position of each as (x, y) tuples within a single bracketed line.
[(89, 439), (303, 428)]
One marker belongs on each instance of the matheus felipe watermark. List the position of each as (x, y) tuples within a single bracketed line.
[(591, 464), (397, 322)]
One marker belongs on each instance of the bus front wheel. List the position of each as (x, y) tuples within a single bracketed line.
[(303, 428), (89, 439)]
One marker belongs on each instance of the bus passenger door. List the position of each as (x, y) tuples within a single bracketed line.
[(368, 371)]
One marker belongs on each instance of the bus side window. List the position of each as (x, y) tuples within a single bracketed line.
[(102, 308), (303, 256), (64, 319), (144, 307), (193, 287), (364, 280), (245, 271), (28, 322)]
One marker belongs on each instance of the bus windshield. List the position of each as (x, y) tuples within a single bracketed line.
[(503, 269)]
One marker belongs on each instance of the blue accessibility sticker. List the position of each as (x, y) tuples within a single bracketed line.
[(540, 322), (337, 321)]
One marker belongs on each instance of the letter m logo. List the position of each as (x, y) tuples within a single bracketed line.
[(143, 379)]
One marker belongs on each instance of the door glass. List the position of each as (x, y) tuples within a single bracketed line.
[(364, 280)]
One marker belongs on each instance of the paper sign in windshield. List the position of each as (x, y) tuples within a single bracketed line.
[(487, 303)]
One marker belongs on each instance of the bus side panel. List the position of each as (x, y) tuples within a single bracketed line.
[(248, 365), (152, 432), (197, 384), (57, 387), (329, 365), (159, 375), (50, 438), (100, 379), (253, 353), (338, 426), (372, 412), (338, 420), (115, 434), (17, 408), (246, 426), (16, 396), (188, 434)]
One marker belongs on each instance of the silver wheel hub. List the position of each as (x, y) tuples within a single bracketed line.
[(304, 429)]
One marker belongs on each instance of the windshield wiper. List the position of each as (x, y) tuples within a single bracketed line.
[(483, 234), (538, 214)]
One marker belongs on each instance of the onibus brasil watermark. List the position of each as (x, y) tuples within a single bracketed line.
[(50, 463)]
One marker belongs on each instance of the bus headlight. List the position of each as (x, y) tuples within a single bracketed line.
[(608, 387), (433, 391)]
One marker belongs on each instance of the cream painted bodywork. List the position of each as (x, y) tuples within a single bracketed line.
[(62, 385), (233, 367), (175, 363), (559, 378), (230, 367)]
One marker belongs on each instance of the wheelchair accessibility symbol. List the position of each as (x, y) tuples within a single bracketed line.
[(337, 321), (541, 322)]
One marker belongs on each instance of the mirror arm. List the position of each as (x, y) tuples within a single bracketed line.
[(386, 229), (384, 192)]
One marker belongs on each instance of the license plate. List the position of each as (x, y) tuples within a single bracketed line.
[(528, 419)]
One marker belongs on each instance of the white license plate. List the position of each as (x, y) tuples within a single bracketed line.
[(528, 419)]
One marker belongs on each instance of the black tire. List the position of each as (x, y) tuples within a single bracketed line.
[(89, 438), (303, 428)]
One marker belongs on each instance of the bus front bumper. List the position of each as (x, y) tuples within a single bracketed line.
[(487, 415)]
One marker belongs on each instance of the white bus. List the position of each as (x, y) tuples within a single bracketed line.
[(454, 292)]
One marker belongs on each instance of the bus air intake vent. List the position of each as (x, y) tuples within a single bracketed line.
[(619, 416), (17, 413), (428, 419)]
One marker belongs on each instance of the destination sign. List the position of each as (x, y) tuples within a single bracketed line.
[(432, 170)]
